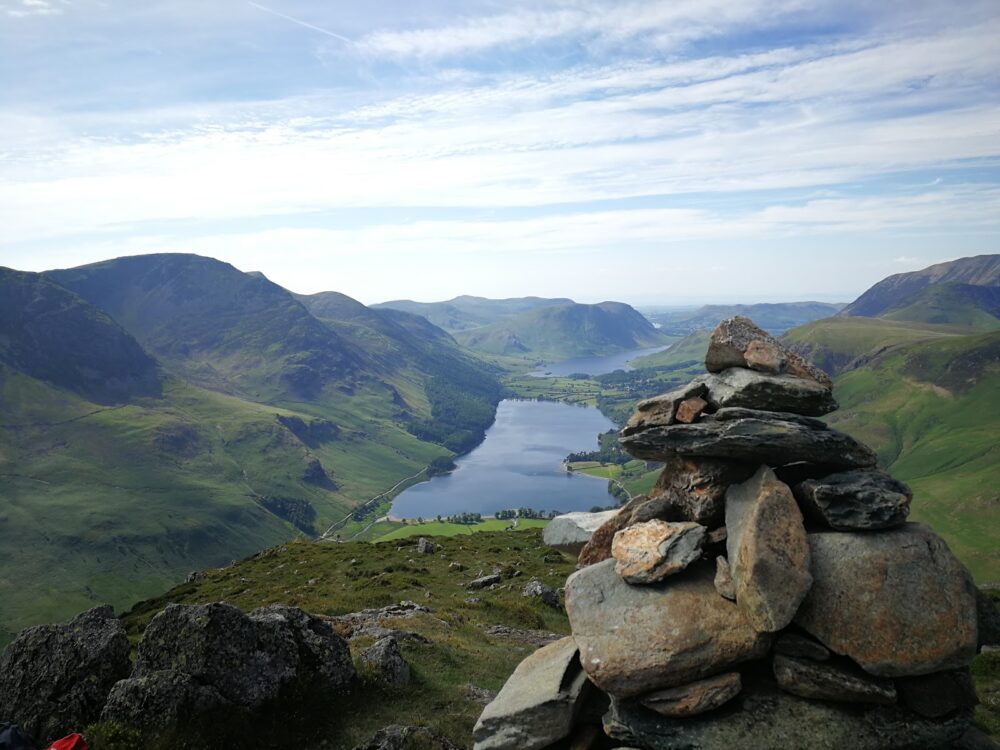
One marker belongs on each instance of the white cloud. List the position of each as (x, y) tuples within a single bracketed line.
[(23, 8)]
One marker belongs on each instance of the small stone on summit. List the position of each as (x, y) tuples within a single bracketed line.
[(649, 552), (733, 337)]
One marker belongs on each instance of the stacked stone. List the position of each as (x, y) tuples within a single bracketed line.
[(768, 593)]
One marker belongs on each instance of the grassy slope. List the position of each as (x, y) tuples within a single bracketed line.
[(321, 578), (687, 355), (951, 304), (435, 528)]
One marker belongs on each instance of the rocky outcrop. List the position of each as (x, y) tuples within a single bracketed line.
[(160, 700), (872, 620), (55, 679), (571, 531)]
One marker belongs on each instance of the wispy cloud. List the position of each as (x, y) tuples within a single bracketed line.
[(24, 8), (298, 21)]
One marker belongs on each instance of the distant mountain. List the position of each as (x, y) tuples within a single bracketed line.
[(775, 318), (951, 303), (566, 331), (897, 292), (49, 333), (465, 312)]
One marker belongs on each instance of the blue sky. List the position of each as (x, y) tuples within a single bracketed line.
[(654, 152)]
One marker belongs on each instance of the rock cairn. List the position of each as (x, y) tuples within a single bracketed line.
[(768, 593)]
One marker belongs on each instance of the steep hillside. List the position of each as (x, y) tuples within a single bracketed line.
[(686, 354), (775, 318), (951, 304), (894, 291), (465, 312), (567, 331)]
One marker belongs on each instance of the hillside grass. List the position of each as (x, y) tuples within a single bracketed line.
[(334, 579), (443, 528)]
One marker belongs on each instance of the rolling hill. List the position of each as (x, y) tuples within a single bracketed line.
[(465, 312), (775, 318), (566, 331), (211, 415)]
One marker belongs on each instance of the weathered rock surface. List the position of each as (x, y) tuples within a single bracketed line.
[(484, 581), (855, 500), (160, 700), (767, 550), (386, 660), (692, 490), (738, 387), (799, 646), (661, 411), (897, 601), (537, 589), (636, 639), (830, 682), (724, 579), (537, 704), (571, 531), (55, 679), (649, 552), (396, 737), (731, 340), (425, 546), (690, 409), (248, 659), (761, 440), (695, 697), (763, 716), (939, 694)]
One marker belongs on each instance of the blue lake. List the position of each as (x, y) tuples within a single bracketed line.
[(595, 365), (519, 464)]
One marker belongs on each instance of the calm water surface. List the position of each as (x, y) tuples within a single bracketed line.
[(519, 464), (595, 365)]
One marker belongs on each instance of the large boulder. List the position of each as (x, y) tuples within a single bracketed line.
[(897, 602), (737, 387), (855, 500), (571, 531), (55, 679), (763, 716), (636, 639), (649, 552), (538, 704), (160, 700), (737, 342), (762, 437), (767, 550)]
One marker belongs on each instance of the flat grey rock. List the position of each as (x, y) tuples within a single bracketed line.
[(830, 682), (738, 387), (571, 531), (695, 697), (855, 500)]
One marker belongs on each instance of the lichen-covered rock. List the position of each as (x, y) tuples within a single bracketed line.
[(396, 737), (767, 550), (536, 589), (831, 682), (733, 337), (636, 639), (692, 490), (571, 531), (760, 437), (897, 602), (425, 546), (55, 679), (855, 500), (660, 411), (538, 704), (649, 552), (737, 387), (386, 661), (160, 700), (695, 697), (763, 716)]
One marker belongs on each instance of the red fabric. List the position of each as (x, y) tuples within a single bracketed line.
[(73, 742)]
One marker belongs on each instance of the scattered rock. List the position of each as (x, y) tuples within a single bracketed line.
[(55, 679), (456, 566), (386, 660), (425, 546), (772, 719), (829, 682), (484, 582), (537, 704), (529, 637), (690, 409), (695, 697), (626, 649), (767, 549), (724, 579), (939, 694), (160, 700), (766, 438), (801, 647), (477, 694), (897, 601), (649, 552), (193, 577), (855, 500), (543, 591), (737, 387), (376, 617), (571, 531), (731, 339), (396, 737), (377, 632)]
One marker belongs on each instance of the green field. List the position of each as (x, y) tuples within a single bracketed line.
[(441, 528)]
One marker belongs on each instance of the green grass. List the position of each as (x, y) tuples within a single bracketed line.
[(688, 354), (442, 528), (570, 390), (339, 578)]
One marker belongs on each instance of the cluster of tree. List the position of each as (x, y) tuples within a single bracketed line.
[(299, 513), (440, 465), (608, 452), (467, 519), (524, 513), (463, 406)]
